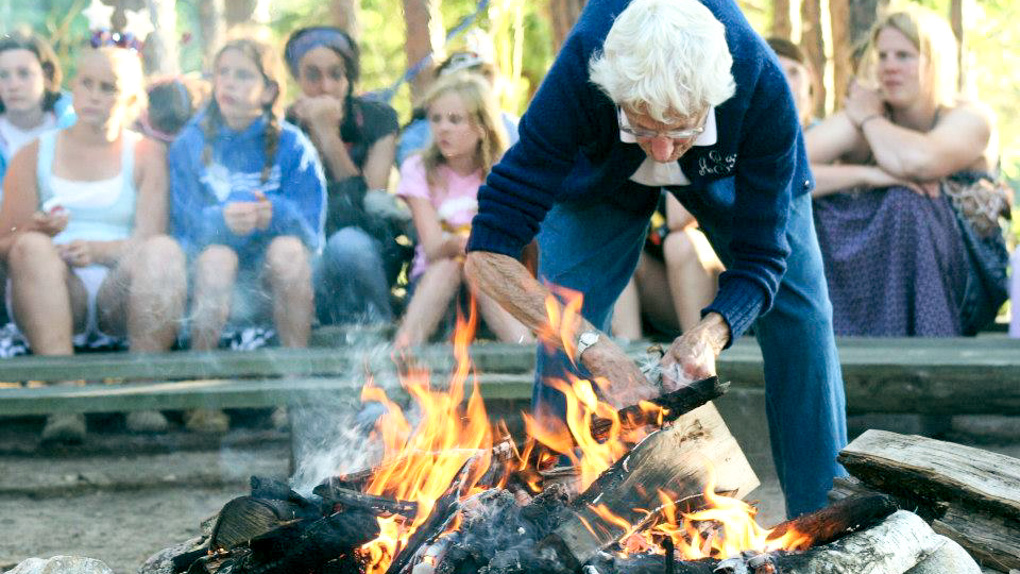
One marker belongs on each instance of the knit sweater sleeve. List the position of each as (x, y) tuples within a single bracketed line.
[(300, 207), (523, 186), (768, 156)]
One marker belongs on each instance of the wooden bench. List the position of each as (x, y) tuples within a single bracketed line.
[(923, 376)]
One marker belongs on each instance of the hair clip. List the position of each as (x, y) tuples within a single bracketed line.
[(137, 28)]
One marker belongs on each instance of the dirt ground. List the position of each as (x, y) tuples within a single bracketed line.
[(119, 498)]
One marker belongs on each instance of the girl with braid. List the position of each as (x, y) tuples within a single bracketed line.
[(248, 205)]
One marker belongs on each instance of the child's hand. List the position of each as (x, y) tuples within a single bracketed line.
[(77, 253), (52, 222), (241, 217), (264, 211)]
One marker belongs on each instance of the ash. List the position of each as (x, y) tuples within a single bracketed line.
[(500, 537)]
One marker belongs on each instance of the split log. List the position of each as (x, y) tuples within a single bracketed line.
[(835, 521), (378, 505), (919, 467), (679, 459), (972, 495), (994, 540)]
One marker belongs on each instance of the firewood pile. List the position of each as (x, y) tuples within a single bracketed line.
[(969, 495), (668, 504)]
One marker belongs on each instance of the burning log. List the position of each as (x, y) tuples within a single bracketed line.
[(378, 505), (972, 495), (833, 522), (676, 460)]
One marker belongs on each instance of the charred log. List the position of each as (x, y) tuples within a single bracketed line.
[(378, 505), (841, 518), (676, 404)]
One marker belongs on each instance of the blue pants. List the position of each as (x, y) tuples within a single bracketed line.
[(593, 246), (349, 280)]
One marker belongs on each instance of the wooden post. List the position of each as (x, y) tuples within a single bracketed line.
[(813, 44), (842, 49), (424, 24), (781, 26), (563, 14)]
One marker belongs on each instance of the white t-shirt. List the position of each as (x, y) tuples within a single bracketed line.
[(655, 174), (13, 138)]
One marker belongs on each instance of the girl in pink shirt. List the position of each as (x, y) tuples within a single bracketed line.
[(441, 188)]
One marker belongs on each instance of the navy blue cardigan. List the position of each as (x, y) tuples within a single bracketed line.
[(570, 149)]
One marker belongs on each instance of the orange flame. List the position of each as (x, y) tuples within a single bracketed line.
[(420, 463), (563, 309)]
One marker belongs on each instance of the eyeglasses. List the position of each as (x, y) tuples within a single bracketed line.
[(685, 134)]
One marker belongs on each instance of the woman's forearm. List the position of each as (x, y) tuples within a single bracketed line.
[(831, 179)]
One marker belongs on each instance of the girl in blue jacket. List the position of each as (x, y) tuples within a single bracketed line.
[(248, 198)]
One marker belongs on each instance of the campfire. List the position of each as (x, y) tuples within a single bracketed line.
[(652, 487)]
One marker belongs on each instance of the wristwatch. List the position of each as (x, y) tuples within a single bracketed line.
[(587, 339)]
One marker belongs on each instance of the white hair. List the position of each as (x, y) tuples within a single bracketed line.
[(665, 58)]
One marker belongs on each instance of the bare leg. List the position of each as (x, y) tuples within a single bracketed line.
[(653, 292), (431, 299), (49, 300), (627, 313), (502, 323), (289, 274), (215, 275), (693, 270), (144, 295)]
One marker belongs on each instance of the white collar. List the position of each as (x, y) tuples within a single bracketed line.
[(707, 137)]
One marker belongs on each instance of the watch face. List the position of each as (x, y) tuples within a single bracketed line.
[(588, 338)]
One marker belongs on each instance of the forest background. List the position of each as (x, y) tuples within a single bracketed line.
[(524, 36)]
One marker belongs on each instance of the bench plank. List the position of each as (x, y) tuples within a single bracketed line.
[(218, 394)]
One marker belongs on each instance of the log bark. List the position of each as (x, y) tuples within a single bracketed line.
[(676, 460), (345, 16), (852, 514), (994, 540), (919, 467)]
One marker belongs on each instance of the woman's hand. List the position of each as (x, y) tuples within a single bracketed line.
[(242, 217), (862, 103), (78, 253), (695, 352), (879, 178), (320, 112), (51, 223)]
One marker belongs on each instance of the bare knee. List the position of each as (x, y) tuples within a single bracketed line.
[(678, 248), (287, 260), (216, 267), (160, 256), (31, 251)]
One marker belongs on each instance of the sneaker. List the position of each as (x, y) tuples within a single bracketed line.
[(146, 422), (207, 421), (64, 428)]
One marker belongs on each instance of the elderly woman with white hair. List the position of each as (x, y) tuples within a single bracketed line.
[(681, 95)]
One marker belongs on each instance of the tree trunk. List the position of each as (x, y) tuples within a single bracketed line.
[(863, 14), (839, 12), (424, 25), (214, 28), (956, 18), (781, 26), (345, 16), (162, 44), (240, 12), (563, 14), (813, 44)]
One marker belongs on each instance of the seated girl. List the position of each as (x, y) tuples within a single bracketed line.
[(441, 188), (356, 139), (87, 209), (906, 211), (248, 205), (31, 102)]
